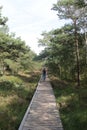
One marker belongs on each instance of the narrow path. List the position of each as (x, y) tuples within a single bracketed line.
[(42, 113)]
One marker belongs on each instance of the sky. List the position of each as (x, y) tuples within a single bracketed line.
[(29, 18)]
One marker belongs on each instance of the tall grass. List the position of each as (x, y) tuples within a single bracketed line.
[(72, 104), (15, 94)]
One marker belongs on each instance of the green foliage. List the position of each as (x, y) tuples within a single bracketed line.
[(6, 85), (72, 104), (15, 94), (16, 86), (80, 3), (3, 20), (14, 54), (59, 53), (65, 55), (69, 9), (65, 49)]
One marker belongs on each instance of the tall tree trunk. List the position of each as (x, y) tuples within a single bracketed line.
[(85, 74), (77, 53), (86, 45)]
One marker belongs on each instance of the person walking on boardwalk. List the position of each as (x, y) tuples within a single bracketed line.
[(44, 74)]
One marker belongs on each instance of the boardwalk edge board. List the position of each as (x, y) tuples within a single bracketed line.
[(28, 110)]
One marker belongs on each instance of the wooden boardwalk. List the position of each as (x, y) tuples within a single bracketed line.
[(42, 113)]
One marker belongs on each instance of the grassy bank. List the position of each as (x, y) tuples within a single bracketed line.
[(15, 94), (72, 104)]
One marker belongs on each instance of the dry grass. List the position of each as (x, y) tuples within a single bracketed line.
[(15, 94)]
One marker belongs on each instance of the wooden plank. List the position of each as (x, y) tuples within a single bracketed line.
[(42, 113)]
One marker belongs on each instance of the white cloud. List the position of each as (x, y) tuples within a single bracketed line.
[(29, 18)]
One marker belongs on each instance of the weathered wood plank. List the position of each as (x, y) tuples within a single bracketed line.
[(42, 113)]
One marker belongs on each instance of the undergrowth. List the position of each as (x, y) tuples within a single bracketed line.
[(72, 104), (15, 94)]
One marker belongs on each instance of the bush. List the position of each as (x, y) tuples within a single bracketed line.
[(6, 85)]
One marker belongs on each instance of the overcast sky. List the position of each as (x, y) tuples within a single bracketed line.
[(29, 18)]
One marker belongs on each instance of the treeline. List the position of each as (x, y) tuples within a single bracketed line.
[(18, 77), (65, 50), (15, 55)]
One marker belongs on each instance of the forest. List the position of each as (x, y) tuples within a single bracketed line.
[(65, 57)]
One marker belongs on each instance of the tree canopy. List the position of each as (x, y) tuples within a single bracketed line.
[(65, 47), (14, 53)]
